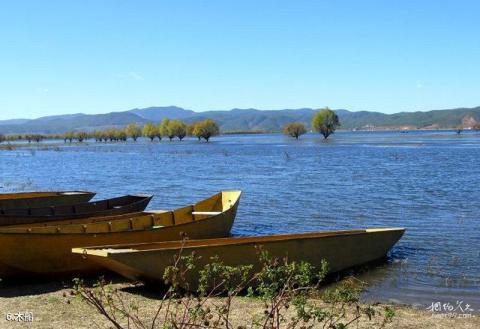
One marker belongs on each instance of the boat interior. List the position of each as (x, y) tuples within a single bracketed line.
[(81, 208), (175, 245)]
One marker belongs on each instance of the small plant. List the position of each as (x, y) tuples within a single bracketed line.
[(389, 314)]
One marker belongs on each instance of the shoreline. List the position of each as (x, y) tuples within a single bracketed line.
[(51, 305)]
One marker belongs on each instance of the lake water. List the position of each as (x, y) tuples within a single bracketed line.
[(427, 182)]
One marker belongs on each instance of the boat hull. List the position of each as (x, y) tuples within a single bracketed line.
[(43, 199), (45, 254), (341, 249)]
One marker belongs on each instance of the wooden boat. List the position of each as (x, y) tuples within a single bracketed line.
[(116, 206), (46, 250), (42, 199), (341, 249)]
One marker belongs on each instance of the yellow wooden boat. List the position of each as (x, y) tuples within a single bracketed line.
[(341, 249), (115, 206), (42, 199), (46, 250)]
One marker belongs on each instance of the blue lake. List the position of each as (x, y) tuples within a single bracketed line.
[(427, 182)]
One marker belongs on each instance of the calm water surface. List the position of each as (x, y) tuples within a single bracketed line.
[(427, 182)]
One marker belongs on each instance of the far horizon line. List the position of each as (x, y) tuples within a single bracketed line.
[(235, 108)]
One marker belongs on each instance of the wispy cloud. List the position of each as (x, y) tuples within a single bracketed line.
[(135, 75), (43, 90)]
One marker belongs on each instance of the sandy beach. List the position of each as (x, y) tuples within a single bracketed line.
[(52, 306)]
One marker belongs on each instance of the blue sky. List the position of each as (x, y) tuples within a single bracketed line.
[(100, 56)]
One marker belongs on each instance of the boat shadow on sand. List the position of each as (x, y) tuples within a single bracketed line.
[(37, 286)]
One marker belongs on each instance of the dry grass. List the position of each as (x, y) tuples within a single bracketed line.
[(51, 309)]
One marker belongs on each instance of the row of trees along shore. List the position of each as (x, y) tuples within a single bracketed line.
[(325, 121), (165, 129)]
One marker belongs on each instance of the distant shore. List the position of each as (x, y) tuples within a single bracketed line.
[(47, 144), (380, 129)]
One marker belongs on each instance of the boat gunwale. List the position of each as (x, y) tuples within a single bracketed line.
[(39, 195), (107, 250), (43, 194)]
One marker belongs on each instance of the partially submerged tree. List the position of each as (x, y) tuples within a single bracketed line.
[(114, 134), (164, 129), (121, 135), (99, 135), (14, 137), (189, 129), (81, 136), (110, 134), (194, 130), (206, 129), (294, 129), (2, 138), (150, 131), (37, 138), (325, 122), (177, 128), (68, 136), (133, 131)]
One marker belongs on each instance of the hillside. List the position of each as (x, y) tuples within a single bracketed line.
[(241, 119), (158, 113), (62, 123)]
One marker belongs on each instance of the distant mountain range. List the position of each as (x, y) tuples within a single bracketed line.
[(243, 119)]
